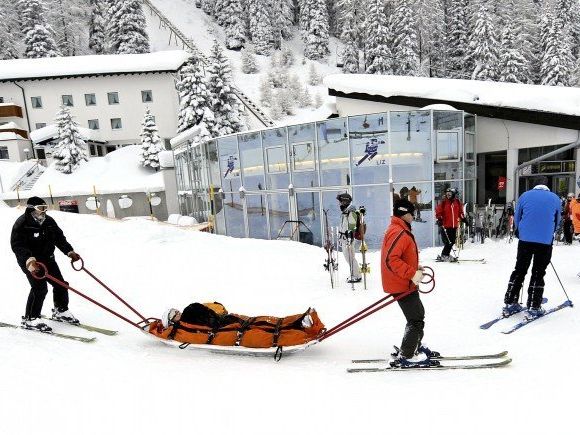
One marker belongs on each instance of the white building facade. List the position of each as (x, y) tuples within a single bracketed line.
[(515, 124), (108, 94)]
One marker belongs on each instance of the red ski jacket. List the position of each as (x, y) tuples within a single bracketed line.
[(449, 212), (399, 257)]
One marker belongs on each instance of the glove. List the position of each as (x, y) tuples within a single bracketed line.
[(74, 256), (439, 222), (362, 210), (464, 220), (417, 277), (32, 265)]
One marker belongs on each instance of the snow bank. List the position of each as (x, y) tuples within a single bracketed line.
[(556, 99)]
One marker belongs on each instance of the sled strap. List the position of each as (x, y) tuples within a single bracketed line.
[(276, 334), (278, 354), (245, 326), (174, 329), (212, 333)]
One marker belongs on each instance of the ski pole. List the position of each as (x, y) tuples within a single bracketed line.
[(551, 264)]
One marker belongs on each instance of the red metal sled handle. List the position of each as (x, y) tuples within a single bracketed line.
[(72, 263), (430, 275)]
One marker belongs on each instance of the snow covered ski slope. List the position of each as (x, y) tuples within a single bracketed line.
[(132, 383)]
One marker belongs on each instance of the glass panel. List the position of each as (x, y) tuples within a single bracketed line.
[(256, 209), (330, 204), (113, 97), (279, 212), (440, 195), (376, 200), (274, 142), (469, 121), (36, 102), (211, 157), (116, 124), (411, 145), (447, 146), (470, 193), (67, 100), (219, 215), (333, 152), (369, 148), (234, 211), (302, 154), (252, 160), (308, 205), (94, 124), (90, 99), (470, 146), (421, 195), (447, 120), (470, 170), (229, 163), (146, 96)]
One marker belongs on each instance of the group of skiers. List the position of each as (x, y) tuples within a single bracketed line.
[(571, 218)]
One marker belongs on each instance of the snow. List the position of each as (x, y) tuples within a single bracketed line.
[(10, 172), (20, 69), (117, 172), (131, 383), (51, 132), (10, 126), (10, 136), (554, 99)]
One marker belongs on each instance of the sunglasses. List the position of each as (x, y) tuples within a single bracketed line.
[(42, 207)]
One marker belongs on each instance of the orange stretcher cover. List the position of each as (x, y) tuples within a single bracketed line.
[(254, 332)]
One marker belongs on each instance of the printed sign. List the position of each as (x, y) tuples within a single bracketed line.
[(371, 149), (229, 164), (501, 182), (71, 206)]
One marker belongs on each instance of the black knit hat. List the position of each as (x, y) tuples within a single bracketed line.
[(35, 200), (402, 207), (344, 197)]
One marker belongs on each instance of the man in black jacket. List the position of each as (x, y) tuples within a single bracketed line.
[(34, 237)]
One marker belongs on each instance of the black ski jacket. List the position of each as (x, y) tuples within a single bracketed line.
[(31, 239)]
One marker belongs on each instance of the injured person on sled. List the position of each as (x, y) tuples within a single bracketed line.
[(211, 323)]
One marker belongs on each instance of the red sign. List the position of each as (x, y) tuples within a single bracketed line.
[(501, 182)]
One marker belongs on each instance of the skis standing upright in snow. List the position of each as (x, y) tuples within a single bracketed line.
[(330, 264), (364, 268)]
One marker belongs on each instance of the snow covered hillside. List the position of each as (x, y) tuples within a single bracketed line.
[(131, 383)]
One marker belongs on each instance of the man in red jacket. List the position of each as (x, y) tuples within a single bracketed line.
[(401, 273), (449, 213)]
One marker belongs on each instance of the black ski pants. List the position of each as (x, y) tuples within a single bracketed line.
[(568, 230), (542, 255), (448, 235), (39, 289), (415, 314)]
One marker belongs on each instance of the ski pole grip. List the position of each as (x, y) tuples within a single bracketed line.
[(429, 275), (43, 269), (72, 263)]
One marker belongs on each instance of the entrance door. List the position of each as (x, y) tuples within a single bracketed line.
[(308, 211), (562, 184)]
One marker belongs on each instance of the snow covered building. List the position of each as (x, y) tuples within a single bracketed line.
[(108, 94), (277, 183), (515, 124)]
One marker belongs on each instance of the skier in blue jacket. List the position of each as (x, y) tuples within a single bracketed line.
[(536, 218)]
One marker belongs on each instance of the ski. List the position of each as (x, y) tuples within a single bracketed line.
[(462, 260), (54, 334), (331, 263), (85, 327), (528, 320), (501, 316), (440, 358), (489, 365), (364, 268)]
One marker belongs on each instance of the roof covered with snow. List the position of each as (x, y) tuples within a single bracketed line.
[(470, 95), (51, 132), (55, 67), (8, 135)]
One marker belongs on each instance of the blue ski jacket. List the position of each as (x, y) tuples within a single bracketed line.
[(537, 215)]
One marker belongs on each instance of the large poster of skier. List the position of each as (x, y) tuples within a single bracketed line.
[(368, 138), (230, 166)]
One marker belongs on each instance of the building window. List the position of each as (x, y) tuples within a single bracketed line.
[(99, 151), (3, 153), (94, 124), (93, 151), (113, 97), (147, 96), (40, 125), (36, 102), (276, 160), (67, 100), (1, 100), (447, 146), (116, 124), (90, 100)]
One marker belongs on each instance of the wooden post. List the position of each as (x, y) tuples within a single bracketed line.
[(150, 207), (96, 201)]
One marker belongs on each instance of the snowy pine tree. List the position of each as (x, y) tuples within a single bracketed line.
[(248, 59), (483, 44), (313, 76), (405, 49), (208, 6), (378, 54), (316, 30), (556, 59), (260, 26), (513, 66), (304, 98), (97, 27), (349, 36), (233, 21), (38, 36), (458, 40), (225, 105), (266, 94), (194, 98), (151, 144), (69, 20), (70, 150), (8, 48), (126, 27)]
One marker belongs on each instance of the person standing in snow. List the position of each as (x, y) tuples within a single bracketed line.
[(348, 225), (575, 209), (34, 238), (536, 218), (449, 213), (567, 218), (401, 273)]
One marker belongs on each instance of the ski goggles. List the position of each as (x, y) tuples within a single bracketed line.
[(40, 207)]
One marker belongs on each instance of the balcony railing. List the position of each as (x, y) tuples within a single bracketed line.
[(10, 110)]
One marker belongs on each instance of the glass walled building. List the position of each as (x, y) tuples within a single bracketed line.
[(250, 184)]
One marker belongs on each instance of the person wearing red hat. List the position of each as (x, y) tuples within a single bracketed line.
[(34, 238)]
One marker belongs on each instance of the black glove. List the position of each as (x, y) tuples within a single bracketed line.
[(362, 210), (439, 222), (517, 233)]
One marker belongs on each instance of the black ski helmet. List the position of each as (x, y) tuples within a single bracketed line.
[(344, 197)]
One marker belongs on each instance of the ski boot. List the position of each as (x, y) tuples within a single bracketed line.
[(419, 360), (353, 280), (511, 309), (64, 316), (428, 352), (534, 313), (35, 324)]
